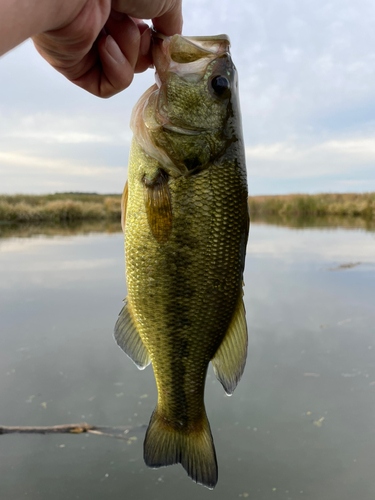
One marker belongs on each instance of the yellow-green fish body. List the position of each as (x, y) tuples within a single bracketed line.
[(186, 227)]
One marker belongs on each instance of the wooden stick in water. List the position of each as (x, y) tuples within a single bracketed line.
[(117, 432)]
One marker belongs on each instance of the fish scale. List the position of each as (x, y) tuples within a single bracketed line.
[(185, 230)]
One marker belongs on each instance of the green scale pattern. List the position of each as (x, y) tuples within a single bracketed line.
[(182, 293)]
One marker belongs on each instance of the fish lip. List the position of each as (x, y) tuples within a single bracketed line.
[(185, 55), (198, 40)]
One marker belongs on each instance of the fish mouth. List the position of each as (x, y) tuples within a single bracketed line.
[(187, 56)]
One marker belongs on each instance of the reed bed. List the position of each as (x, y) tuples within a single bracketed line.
[(75, 207), (59, 208), (303, 205)]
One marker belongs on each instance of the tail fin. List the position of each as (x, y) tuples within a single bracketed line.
[(194, 450)]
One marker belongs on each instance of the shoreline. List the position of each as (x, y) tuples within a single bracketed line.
[(71, 207)]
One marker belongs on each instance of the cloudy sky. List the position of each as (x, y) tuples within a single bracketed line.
[(307, 86)]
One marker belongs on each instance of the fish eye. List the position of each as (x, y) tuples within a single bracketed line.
[(220, 84)]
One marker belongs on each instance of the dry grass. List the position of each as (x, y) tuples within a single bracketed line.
[(75, 207), (302, 205), (69, 207)]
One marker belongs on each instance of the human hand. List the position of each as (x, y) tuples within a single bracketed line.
[(102, 44)]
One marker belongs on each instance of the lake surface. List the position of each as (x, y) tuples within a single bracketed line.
[(300, 425)]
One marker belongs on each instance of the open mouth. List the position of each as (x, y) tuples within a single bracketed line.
[(186, 56)]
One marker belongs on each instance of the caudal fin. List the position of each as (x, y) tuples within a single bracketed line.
[(194, 450)]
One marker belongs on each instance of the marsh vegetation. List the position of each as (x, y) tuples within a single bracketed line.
[(60, 207), (317, 205), (75, 207)]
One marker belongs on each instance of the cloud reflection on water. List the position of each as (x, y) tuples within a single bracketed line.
[(325, 245)]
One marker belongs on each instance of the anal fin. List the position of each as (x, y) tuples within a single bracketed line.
[(230, 358), (128, 338)]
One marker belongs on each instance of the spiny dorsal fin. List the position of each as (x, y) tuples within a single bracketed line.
[(128, 338), (229, 360), (158, 206), (124, 204)]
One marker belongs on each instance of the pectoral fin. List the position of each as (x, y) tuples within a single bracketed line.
[(128, 338), (158, 206), (124, 204), (230, 358)]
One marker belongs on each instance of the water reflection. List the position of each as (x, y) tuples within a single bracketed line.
[(300, 424), (303, 222), (8, 230)]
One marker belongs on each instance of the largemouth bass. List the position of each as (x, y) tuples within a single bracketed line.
[(185, 219)]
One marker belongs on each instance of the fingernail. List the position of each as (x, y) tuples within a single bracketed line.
[(114, 50)]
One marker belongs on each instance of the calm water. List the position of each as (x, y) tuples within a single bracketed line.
[(301, 424)]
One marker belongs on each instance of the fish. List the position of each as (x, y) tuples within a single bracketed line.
[(186, 223)]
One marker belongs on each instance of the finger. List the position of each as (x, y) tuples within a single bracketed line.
[(71, 49), (68, 44), (112, 74), (126, 34), (118, 53), (170, 22), (70, 67), (133, 36), (144, 58), (166, 14)]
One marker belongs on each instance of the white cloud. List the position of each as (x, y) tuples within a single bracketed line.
[(58, 128), (307, 73), (293, 160), (64, 167), (61, 137)]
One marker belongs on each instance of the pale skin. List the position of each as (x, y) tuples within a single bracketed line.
[(96, 44)]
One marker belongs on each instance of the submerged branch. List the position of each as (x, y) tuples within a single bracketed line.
[(120, 432)]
